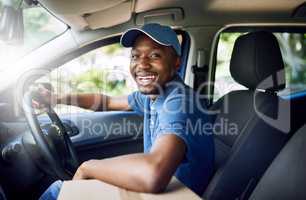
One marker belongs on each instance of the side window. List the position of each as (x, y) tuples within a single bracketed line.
[(224, 83), (293, 51), (103, 70)]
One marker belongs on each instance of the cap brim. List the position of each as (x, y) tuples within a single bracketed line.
[(128, 38)]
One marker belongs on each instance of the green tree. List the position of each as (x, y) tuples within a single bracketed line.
[(112, 49)]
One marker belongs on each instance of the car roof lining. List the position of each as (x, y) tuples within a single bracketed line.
[(96, 14), (278, 29)]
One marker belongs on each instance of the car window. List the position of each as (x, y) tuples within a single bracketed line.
[(293, 51), (39, 27), (103, 70)]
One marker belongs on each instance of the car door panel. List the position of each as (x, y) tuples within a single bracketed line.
[(98, 135)]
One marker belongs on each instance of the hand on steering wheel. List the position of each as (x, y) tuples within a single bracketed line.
[(55, 144), (43, 96)]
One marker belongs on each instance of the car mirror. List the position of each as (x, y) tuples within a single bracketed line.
[(11, 24)]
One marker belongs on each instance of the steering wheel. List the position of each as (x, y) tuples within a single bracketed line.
[(54, 144)]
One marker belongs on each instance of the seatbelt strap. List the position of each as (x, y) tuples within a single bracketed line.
[(200, 71)]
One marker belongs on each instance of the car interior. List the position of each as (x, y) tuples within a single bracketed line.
[(247, 59)]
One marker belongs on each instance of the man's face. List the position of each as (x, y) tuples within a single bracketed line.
[(152, 64)]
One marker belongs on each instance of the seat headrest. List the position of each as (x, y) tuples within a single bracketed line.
[(257, 62)]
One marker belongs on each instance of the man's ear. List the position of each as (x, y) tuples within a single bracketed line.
[(177, 63)]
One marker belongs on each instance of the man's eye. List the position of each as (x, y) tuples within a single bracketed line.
[(155, 55), (134, 57)]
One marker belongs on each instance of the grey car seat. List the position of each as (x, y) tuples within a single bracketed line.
[(285, 179), (253, 134)]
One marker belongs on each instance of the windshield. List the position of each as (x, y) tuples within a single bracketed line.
[(39, 27)]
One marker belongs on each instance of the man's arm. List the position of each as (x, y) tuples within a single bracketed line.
[(96, 102), (139, 172)]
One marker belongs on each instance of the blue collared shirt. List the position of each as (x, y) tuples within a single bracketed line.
[(179, 110)]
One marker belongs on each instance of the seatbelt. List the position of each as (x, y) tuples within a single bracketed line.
[(200, 71)]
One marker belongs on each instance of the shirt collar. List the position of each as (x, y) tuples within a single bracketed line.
[(169, 87)]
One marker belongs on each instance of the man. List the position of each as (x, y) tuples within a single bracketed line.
[(173, 145)]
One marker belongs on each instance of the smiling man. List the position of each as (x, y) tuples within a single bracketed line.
[(173, 145)]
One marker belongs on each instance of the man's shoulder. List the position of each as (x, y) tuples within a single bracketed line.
[(182, 99), (182, 94), (178, 89)]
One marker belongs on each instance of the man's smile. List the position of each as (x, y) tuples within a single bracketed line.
[(145, 79)]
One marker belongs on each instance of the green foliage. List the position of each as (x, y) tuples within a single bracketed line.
[(37, 24), (225, 47), (86, 74), (229, 37), (39, 27), (35, 19), (15, 3), (95, 80), (111, 49)]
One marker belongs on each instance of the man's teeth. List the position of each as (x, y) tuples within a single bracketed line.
[(146, 80), (146, 77)]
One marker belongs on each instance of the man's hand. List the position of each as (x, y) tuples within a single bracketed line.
[(43, 97)]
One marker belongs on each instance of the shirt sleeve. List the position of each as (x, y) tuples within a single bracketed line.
[(176, 118), (136, 101)]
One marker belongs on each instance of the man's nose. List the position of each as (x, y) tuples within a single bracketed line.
[(144, 63)]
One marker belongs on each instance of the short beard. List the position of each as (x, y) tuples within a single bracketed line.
[(155, 91)]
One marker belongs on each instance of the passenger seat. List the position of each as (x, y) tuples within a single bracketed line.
[(248, 142), (285, 179)]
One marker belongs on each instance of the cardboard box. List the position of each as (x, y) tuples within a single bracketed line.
[(98, 190)]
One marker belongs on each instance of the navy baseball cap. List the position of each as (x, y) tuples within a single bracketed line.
[(163, 35)]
